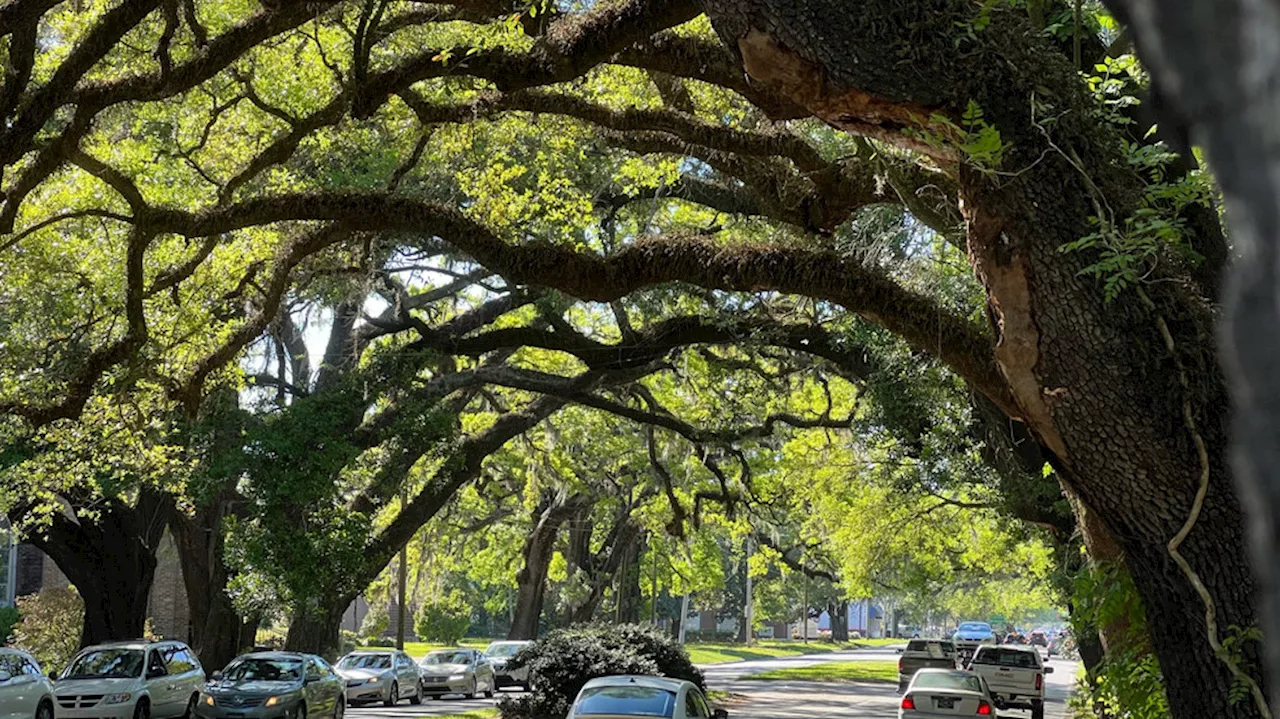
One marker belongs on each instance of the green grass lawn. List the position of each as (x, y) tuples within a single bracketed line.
[(418, 650), (723, 653), (477, 714), (878, 642), (833, 672)]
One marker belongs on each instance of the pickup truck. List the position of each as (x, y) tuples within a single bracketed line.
[(1015, 675), (924, 654)]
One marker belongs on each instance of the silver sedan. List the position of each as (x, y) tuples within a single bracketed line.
[(457, 671), (380, 676)]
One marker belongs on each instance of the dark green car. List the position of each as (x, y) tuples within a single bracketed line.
[(273, 685)]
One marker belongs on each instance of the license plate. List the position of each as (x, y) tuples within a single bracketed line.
[(945, 702)]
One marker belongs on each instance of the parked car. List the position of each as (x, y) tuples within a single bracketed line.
[(498, 654), (639, 696), (271, 685), (25, 692), (946, 692), (130, 680), (1015, 676), (925, 654), (457, 671), (380, 676)]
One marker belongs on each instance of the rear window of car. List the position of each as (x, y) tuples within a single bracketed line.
[(950, 681), (932, 648), (1007, 658), (626, 701)]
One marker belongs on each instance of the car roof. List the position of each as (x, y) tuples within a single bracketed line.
[(625, 680), (1009, 648), (367, 652), (135, 644), (272, 655), (510, 641)]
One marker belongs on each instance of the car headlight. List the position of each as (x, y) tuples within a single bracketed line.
[(371, 680), (273, 701), (117, 698), (208, 699), (457, 677)]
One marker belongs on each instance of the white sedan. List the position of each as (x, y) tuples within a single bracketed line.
[(640, 696), (25, 691), (946, 693)]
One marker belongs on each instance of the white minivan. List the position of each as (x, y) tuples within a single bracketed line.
[(25, 692), (130, 680)]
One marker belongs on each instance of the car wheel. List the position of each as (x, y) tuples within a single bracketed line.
[(142, 710), (395, 696), (493, 684), (339, 708), (45, 710), (1037, 711), (191, 707), (416, 699), (301, 711), (472, 694)]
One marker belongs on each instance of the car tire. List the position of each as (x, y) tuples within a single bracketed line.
[(394, 698), (472, 694), (142, 710), (339, 708), (45, 710), (301, 711), (493, 685), (1037, 710), (190, 711)]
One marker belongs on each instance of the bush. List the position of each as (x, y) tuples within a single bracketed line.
[(50, 626), (8, 618), (347, 641), (443, 619), (566, 659), (379, 642), (375, 622)]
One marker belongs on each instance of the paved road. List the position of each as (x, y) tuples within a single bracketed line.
[(773, 700), (850, 700)]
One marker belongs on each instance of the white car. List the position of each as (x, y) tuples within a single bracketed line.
[(498, 654), (936, 693), (25, 692), (130, 680), (1015, 675), (640, 696)]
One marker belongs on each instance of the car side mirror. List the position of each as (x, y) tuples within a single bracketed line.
[(53, 676), (1048, 670), (719, 714), (216, 676)]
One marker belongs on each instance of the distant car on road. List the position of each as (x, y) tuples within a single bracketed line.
[(925, 654), (380, 676), (273, 685), (1015, 676), (1038, 639), (25, 692), (640, 696), (498, 654), (971, 635), (457, 671), (130, 680), (946, 692)]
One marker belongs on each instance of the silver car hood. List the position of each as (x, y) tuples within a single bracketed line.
[(362, 673), (445, 668)]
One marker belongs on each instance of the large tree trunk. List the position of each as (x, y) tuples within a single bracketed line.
[(111, 561), (1125, 392), (1212, 62), (531, 580), (218, 632), (313, 628), (839, 614)]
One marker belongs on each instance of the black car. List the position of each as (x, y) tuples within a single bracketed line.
[(273, 685)]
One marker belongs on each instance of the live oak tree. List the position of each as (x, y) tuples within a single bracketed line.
[(199, 152)]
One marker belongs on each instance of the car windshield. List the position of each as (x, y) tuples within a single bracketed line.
[(365, 661), (947, 681), (626, 701), (975, 627), (503, 650), (1007, 658), (113, 663), (447, 658), (264, 669)]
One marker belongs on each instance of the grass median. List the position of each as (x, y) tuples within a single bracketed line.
[(725, 653), (477, 714), (832, 672)]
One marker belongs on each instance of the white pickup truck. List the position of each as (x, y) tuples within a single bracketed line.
[(1015, 675)]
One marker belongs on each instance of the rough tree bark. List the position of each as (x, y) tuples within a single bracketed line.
[(218, 632), (531, 580), (1126, 394), (110, 561), (1213, 62)]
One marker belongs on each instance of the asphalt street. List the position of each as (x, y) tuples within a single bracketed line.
[(774, 700)]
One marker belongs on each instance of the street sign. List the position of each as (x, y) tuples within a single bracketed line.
[(997, 620)]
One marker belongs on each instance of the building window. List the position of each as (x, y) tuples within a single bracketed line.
[(8, 563)]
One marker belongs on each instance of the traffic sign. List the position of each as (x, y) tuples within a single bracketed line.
[(997, 620)]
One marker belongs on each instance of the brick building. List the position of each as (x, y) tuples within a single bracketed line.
[(26, 570)]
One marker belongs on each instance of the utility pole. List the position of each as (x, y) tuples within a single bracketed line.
[(403, 578), (804, 611), (748, 611)]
